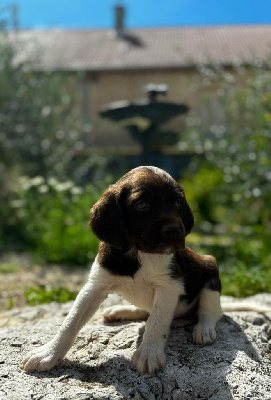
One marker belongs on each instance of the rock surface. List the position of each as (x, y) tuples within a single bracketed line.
[(236, 366)]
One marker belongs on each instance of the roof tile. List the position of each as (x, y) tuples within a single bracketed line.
[(96, 50)]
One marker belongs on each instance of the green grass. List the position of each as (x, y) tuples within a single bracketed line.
[(43, 294), (243, 260), (242, 281), (8, 268)]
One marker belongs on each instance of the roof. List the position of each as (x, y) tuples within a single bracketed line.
[(102, 50)]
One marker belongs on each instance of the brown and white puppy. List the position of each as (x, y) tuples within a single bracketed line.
[(142, 221)]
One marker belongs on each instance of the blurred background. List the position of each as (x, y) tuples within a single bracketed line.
[(91, 89)]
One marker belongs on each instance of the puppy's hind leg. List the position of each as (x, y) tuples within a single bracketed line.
[(124, 313), (209, 312)]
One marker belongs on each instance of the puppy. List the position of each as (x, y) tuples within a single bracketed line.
[(142, 222)]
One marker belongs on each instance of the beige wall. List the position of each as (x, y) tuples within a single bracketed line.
[(128, 85), (106, 87), (184, 86)]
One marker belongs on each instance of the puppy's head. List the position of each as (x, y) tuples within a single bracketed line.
[(146, 209)]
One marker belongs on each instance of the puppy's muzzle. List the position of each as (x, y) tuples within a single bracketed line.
[(164, 237), (171, 230), (173, 234)]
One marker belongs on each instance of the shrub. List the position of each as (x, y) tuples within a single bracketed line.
[(230, 187), (200, 191), (41, 133), (51, 218)]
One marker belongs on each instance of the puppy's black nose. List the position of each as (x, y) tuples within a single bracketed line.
[(171, 229)]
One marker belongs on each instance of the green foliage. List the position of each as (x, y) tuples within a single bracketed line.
[(42, 137), (51, 219), (230, 187), (199, 192), (240, 145), (39, 127), (241, 281), (45, 294), (246, 274), (249, 264)]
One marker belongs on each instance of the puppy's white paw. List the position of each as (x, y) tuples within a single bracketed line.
[(148, 359), (43, 358), (204, 334)]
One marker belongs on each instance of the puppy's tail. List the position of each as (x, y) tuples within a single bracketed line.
[(242, 306)]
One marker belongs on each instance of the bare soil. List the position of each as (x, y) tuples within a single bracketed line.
[(21, 273)]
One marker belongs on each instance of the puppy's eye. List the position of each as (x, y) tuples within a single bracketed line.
[(178, 204), (142, 205)]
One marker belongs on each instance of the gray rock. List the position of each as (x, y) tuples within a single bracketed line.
[(98, 366)]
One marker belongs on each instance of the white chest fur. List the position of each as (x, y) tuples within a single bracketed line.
[(154, 272)]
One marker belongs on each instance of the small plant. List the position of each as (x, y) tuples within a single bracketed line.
[(239, 280), (46, 294), (8, 268)]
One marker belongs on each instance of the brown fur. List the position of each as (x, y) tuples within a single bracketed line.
[(142, 222), (116, 220)]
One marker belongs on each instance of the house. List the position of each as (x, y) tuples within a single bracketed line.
[(116, 64)]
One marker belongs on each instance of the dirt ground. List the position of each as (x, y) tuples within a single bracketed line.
[(19, 272)]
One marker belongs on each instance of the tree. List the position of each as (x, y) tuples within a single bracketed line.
[(239, 147), (39, 124), (230, 186), (41, 134)]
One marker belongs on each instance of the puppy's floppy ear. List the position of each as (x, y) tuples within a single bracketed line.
[(188, 218), (107, 221)]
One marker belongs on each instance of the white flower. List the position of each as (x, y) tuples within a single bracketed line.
[(26, 183), (38, 180), (46, 111), (17, 203), (76, 190), (43, 189), (61, 187), (256, 192), (52, 181)]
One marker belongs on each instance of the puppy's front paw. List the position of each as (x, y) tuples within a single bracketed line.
[(148, 359), (43, 358), (204, 334)]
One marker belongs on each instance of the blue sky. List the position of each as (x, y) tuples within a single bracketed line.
[(140, 13)]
